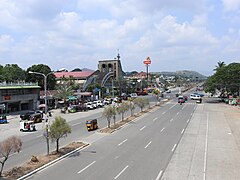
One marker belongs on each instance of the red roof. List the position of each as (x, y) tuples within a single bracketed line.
[(81, 74)]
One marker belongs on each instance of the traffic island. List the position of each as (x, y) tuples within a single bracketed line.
[(36, 163)]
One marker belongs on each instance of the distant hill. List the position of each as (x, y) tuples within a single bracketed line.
[(183, 73)]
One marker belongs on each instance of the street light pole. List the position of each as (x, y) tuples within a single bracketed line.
[(45, 101)]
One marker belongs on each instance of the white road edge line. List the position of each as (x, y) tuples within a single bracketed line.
[(174, 147), (182, 131), (205, 152), (159, 175), (148, 144), (86, 167), (122, 142), (121, 172), (142, 128), (162, 129), (155, 119)]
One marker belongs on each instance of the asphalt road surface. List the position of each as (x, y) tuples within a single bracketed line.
[(141, 150)]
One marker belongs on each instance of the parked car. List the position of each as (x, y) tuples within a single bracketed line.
[(89, 106), (3, 119), (133, 95), (195, 96), (142, 93), (30, 114)]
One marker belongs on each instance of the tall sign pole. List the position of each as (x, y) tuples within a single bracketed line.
[(147, 62)]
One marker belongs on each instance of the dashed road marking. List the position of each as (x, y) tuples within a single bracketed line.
[(159, 175), (162, 129), (155, 119), (119, 174), (122, 142), (86, 167), (142, 128), (174, 147), (148, 144)]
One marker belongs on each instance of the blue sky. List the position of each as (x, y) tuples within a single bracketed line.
[(176, 35)]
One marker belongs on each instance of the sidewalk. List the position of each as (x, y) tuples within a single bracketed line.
[(210, 146)]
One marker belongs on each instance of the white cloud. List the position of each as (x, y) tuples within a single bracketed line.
[(231, 5)]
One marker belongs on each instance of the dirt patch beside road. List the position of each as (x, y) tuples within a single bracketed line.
[(38, 161)]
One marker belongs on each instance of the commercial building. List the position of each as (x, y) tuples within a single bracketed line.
[(18, 96)]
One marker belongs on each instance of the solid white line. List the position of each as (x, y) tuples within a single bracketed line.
[(148, 144), (86, 167), (122, 142), (205, 152), (159, 175), (182, 131), (162, 129), (155, 119), (142, 128), (174, 147), (121, 172)]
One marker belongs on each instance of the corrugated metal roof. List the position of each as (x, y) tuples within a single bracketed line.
[(82, 74)]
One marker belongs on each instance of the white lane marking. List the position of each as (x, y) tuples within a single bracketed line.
[(76, 124), (142, 128), (159, 175), (39, 136), (148, 144), (205, 152), (121, 172), (171, 120), (182, 131), (86, 167), (155, 119), (174, 147), (164, 112), (188, 120), (191, 114), (116, 157), (172, 106), (122, 142), (162, 129), (177, 113)]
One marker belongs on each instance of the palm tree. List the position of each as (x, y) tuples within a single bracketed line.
[(63, 91), (220, 64)]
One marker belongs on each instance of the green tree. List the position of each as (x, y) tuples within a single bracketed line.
[(59, 129), (10, 145), (63, 91), (44, 69), (122, 109), (219, 65), (226, 80), (141, 102), (108, 114), (13, 73), (156, 92)]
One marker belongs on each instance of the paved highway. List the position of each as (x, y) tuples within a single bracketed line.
[(140, 150), (34, 143)]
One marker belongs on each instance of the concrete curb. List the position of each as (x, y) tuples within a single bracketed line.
[(52, 162)]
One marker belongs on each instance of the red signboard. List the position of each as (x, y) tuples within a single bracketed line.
[(7, 97), (147, 61)]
